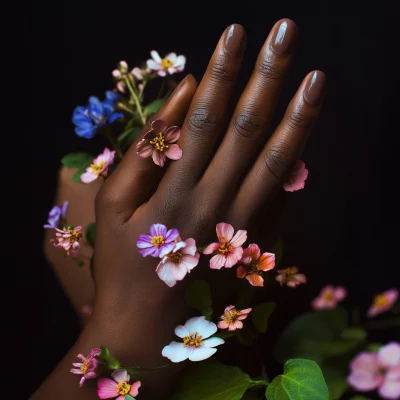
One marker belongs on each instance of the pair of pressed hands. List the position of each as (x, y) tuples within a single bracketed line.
[(135, 313)]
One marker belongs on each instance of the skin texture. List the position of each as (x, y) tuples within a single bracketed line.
[(135, 313)]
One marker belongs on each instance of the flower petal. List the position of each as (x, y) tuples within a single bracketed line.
[(218, 261), (144, 241), (180, 61), (172, 134), (144, 148), (363, 381), (202, 353), (365, 362), (224, 231), (340, 293), (121, 375), (213, 342), (153, 65), (189, 262), (135, 388), (206, 330), (158, 230), (164, 272), (156, 57), (390, 390), (88, 176), (174, 152), (76, 371), (211, 248), (267, 261), (255, 280), (159, 158), (238, 324), (158, 126), (223, 325), (253, 251), (171, 235), (195, 323), (176, 352), (389, 355), (166, 249), (106, 388), (240, 272), (239, 238), (190, 247), (151, 251), (233, 257), (181, 331)]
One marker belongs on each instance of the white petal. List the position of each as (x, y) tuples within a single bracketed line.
[(120, 375), (194, 323), (176, 352), (153, 65), (201, 353), (181, 331), (156, 56), (180, 61), (389, 355), (214, 341), (172, 57), (207, 330)]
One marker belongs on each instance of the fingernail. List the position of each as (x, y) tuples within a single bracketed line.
[(234, 39), (284, 37), (315, 86)]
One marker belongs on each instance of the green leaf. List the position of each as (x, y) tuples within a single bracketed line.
[(354, 333), (336, 381), (154, 106), (77, 160), (260, 315), (133, 133), (245, 296), (77, 175), (207, 312), (374, 347), (277, 249), (129, 397), (211, 380), (111, 361), (90, 233), (198, 295), (301, 380)]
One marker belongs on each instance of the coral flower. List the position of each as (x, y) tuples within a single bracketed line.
[(290, 277), (56, 215), (170, 64), (228, 248), (196, 346), (87, 367), (99, 167), (68, 238), (117, 387), (232, 318), (297, 178), (329, 297), (158, 143), (253, 264), (383, 302)]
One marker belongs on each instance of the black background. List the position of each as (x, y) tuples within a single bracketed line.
[(342, 229)]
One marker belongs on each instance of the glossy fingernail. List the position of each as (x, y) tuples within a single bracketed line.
[(315, 88), (234, 39), (285, 36)]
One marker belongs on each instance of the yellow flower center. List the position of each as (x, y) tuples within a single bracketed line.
[(123, 388), (166, 63), (328, 296), (159, 142), (193, 340), (176, 257), (75, 237), (157, 241), (225, 247), (96, 168), (380, 300), (252, 268), (84, 366), (231, 316)]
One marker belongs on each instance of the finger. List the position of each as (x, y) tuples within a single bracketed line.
[(135, 179), (282, 150)]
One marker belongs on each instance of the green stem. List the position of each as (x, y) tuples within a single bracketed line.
[(114, 143), (383, 324), (133, 369), (136, 100), (161, 87), (259, 383)]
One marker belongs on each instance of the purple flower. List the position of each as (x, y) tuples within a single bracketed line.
[(88, 366), (159, 243), (55, 214)]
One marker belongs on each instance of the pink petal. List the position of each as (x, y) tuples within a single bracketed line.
[(88, 176), (240, 272), (255, 280), (189, 262), (77, 364), (229, 308), (392, 295), (135, 388), (246, 257), (106, 388), (172, 134), (373, 311), (365, 362), (245, 311), (232, 327), (318, 303), (218, 261), (364, 382), (121, 375), (161, 73), (222, 325), (239, 239), (144, 148), (254, 251), (158, 126), (233, 257), (211, 248), (76, 371), (267, 261), (224, 232), (190, 247), (389, 355), (390, 390), (238, 324), (340, 293), (159, 158), (174, 152)]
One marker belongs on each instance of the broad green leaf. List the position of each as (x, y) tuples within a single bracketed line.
[(277, 249), (207, 312), (211, 380), (198, 295), (336, 381), (77, 175), (77, 160), (154, 106), (354, 333), (90, 233), (301, 380), (129, 397), (260, 315), (111, 361), (245, 296)]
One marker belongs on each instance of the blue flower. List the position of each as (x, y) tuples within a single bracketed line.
[(55, 214), (95, 115)]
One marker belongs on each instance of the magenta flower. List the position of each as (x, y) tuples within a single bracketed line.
[(87, 367), (329, 297), (160, 243), (117, 387), (170, 64), (297, 178), (232, 318), (158, 143), (68, 238), (56, 215), (290, 277), (383, 302), (228, 248), (99, 167), (381, 370), (175, 265)]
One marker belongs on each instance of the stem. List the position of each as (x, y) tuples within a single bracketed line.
[(383, 324), (113, 143), (161, 87), (259, 383), (136, 100), (125, 108), (144, 368)]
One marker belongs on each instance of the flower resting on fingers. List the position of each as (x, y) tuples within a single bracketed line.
[(159, 243), (170, 64), (329, 297), (196, 346), (159, 141), (56, 215), (118, 387), (99, 167), (87, 367), (228, 248), (297, 178), (68, 239), (175, 265), (232, 318), (290, 277), (383, 302), (253, 264)]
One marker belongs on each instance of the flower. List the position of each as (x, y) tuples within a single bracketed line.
[(229, 248), (171, 63), (329, 297), (175, 265), (157, 142), (297, 178), (56, 214), (117, 387), (232, 318), (160, 243), (194, 347), (253, 264), (291, 277), (68, 238), (381, 370), (383, 302), (95, 115), (87, 309), (99, 167), (87, 367)]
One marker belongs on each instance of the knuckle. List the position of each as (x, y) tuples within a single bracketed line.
[(219, 72), (247, 125), (267, 70), (298, 120), (275, 160), (201, 120)]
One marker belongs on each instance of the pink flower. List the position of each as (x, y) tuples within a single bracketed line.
[(371, 371), (253, 264), (87, 367), (157, 142), (297, 178), (99, 167), (170, 64), (290, 277), (329, 297), (232, 318), (68, 238), (87, 309), (229, 248), (117, 387), (383, 302), (174, 266)]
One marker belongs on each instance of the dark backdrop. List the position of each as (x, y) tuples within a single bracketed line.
[(342, 229)]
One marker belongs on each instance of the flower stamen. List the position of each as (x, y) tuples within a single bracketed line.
[(157, 241), (96, 168), (159, 142), (166, 63), (193, 340), (380, 300), (123, 388)]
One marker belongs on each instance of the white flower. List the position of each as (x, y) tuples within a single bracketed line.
[(171, 63), (193, 347)]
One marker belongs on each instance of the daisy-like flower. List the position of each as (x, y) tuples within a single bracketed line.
[(175, 265), (99, 167), (297, 178), (329, 297), (228, 248), (159, 243), (232, 318), (170, 64), (383, 302), (159, 142), (290, 277), (195, 344), (68, 239), (87, 367), (56, 214), (117, 387), (253, 264)]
